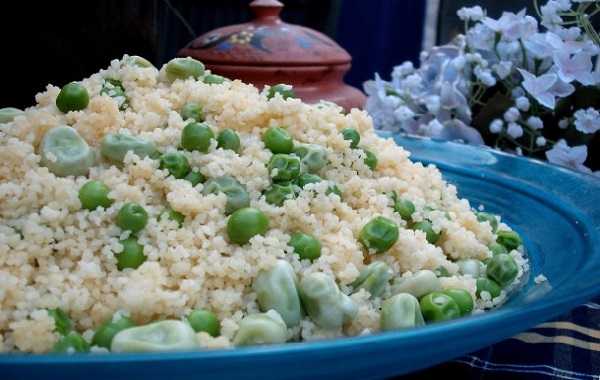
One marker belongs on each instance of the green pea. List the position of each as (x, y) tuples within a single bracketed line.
[(438, 307), (195, 177), (183, 68), (213, 79), (325, 304), (441, 271), (262, 328), (279, 193), (246, 223), (278, 140), (334, 189), (351, 135), (237, 196), (401, 311), (204, 320), (285, 90), (418, 284), (374, 278), (490, 218), (114, 147), (472, 267), (405, 208), (114, 88), (94, 194), (104, 335), (176, 163), (192, 111), (228, 139), (284, 167), (175, 216), (370, 159), (138, 61), (72, 342), (167, 335), (132, 217), (8, 114), (379, 234), (197, 136), (462, 298), (427, 227), (509, 239), (72, 97), (306, 246), (485, 284), (132, 255), (62, 322), (313, 157), (66, 153), (306, 178), (497, 249), (503, 269), (276, 289)]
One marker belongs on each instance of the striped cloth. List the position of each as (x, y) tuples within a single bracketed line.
[(566, 348)]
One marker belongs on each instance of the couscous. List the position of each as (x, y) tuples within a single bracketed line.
[(174, 209)]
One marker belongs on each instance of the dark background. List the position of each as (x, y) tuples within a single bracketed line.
[(60, 41)]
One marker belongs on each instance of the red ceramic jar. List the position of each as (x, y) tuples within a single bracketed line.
[(270, 51)]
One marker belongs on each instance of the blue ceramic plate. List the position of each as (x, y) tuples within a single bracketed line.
[(556, 211)]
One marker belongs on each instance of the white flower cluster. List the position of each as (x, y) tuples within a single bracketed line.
[(512, 56)]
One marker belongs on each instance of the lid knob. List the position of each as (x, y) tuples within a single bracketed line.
[(266, 11)]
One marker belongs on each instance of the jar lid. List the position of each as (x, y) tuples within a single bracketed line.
[(266, 41)]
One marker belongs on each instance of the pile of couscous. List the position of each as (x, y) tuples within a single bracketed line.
[(149, 210)]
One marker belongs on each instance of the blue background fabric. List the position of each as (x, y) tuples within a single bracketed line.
[(566, 348), (379, 35)]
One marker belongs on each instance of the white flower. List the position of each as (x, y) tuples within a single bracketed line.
[(485, 76), (540, 141), (432, 103), (471, 13), (563, 123), (480, 37), (545, 88), (522, 103), (571, 157), (496, 126), (511, 115), (403, 113), (403, 70), (550, 17), (433, 128), (519, 151), (517, 92), (587, 121), (578, 67), (538, 46), (512, 26), (502, 69), (535, 122), (514, 130)]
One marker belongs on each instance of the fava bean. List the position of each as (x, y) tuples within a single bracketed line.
[(401, 311), (418, 284), (237, 196), (374, 278), (262, 328), (167, 335), (325, 304), (66, 153), (276, 289), (183, 68), (114, 147)]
